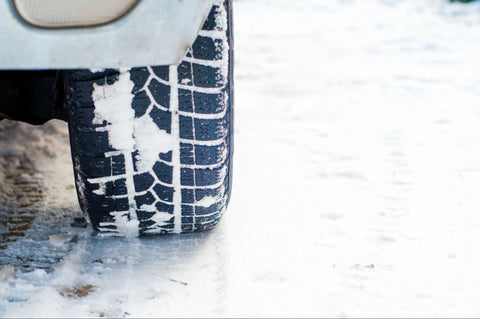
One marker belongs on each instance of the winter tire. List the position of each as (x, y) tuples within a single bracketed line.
[(152, 146)]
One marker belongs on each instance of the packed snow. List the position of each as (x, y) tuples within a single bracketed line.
[(356, 181)]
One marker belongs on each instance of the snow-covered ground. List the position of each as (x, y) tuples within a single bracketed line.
[(356, 181)]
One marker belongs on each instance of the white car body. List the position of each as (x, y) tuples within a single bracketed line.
[(154, 32)]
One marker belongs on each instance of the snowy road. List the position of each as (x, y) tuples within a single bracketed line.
[(356, 181)]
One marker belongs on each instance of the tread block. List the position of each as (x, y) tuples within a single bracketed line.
[(185, 73), (168, 226), (187, 210), (202, 211), (162, 72), (186, 177), (108, 189), (162, 118), (83, 93), (206, 177), (219, 47), (186, 127), (166, 156), (203, 223), (186, 154), (144, 215), (207, 76), (204, 48), (110, 77), (163, 172), (188, 196), (93, 142), (185, 100), (208, 155), (207, 103), (200, 193), (146, 199), (106, 217), (140, 103), (135, 156), (120, 187), (95, 167), (86, 115), (121, 205), (118, 165), (165, 208), (143, 181), (146, 223), (210, 130), (187, 228), (105, 204), (139, 77), (211, 22), (160, 92), (163, 192), (187, 220)]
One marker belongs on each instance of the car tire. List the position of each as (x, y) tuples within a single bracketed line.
[(152, 146)]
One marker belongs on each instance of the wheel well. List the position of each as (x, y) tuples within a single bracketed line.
[(34, 97)]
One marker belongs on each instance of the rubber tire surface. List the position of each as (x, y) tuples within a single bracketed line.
[(186, 186)]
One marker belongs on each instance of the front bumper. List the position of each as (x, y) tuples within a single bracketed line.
[(155, 32)]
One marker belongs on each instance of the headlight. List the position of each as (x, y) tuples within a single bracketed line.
[(72, 13)]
